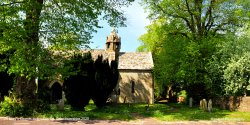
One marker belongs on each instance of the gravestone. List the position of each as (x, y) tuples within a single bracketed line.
[(209, 105), (203, 104), (60, 105), (190, 102)]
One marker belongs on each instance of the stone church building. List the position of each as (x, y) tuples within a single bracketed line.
[(135, 84)]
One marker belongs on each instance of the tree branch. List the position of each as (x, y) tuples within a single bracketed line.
[(208, 15), (197, 16), (185, 19), (175, 16), (192, 18), (219, 27), (181, 33)]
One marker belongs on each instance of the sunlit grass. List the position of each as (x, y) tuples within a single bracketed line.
[(164, 112)]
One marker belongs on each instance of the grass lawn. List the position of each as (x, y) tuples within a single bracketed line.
[(164, 112)]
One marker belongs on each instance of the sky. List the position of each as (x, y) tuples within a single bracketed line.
[(136, 23)]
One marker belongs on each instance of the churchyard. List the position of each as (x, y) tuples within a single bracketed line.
[(159, 111)]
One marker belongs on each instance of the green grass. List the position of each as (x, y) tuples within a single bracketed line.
[(164, 112)]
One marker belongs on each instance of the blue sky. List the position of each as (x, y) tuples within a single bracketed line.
[(136, 22)]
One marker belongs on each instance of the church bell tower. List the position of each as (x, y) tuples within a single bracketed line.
[(113, 42)]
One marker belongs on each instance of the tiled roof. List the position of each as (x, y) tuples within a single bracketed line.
[(97, 52), (127, 60), (135, 60)]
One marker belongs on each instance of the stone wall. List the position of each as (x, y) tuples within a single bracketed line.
[(245, 104), (143, 87), (234, 103)]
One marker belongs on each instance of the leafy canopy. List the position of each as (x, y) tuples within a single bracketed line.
[(29, 26), (184, 36)]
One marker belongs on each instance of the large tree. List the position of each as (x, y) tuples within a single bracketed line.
[(28, 26), (190, 31), (196, 19)]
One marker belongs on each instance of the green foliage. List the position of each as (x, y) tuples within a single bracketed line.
[(197, 19), (11, 106), (30, 27), (43, 93), (237, 74), (229, 66), (185, 36), (182, 93)]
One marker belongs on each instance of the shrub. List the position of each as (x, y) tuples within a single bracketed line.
[(14, 107), (43, 102)]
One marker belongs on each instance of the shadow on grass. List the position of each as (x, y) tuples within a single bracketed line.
[(126, 112), (177, 112)]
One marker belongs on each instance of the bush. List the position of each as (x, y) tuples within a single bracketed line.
[(14, 107), (43, 102), (42, 106)]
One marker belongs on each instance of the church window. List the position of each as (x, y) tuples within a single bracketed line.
[(133, 87), (108, 45)]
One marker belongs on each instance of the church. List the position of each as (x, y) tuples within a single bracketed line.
[(136, 83)]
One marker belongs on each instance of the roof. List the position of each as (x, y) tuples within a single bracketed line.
[(127, 60), (97, 52), (135, 60)]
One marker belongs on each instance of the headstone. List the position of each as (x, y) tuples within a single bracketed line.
[(203, 104), (209, 105), (201, 107), (190, 102), (61, 104)]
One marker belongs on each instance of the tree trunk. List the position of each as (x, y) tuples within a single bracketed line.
[(26, 87), (26, 90)]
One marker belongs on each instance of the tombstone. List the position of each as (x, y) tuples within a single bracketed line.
[(203, 104), (113, 98), (60, 105), (209, 105), (190, 102)]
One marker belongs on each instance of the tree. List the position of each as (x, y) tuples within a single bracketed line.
[(89, 80), (26, 26), (197, 19), (190, 31), (78, 87), (228, 68), (106, 79)]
